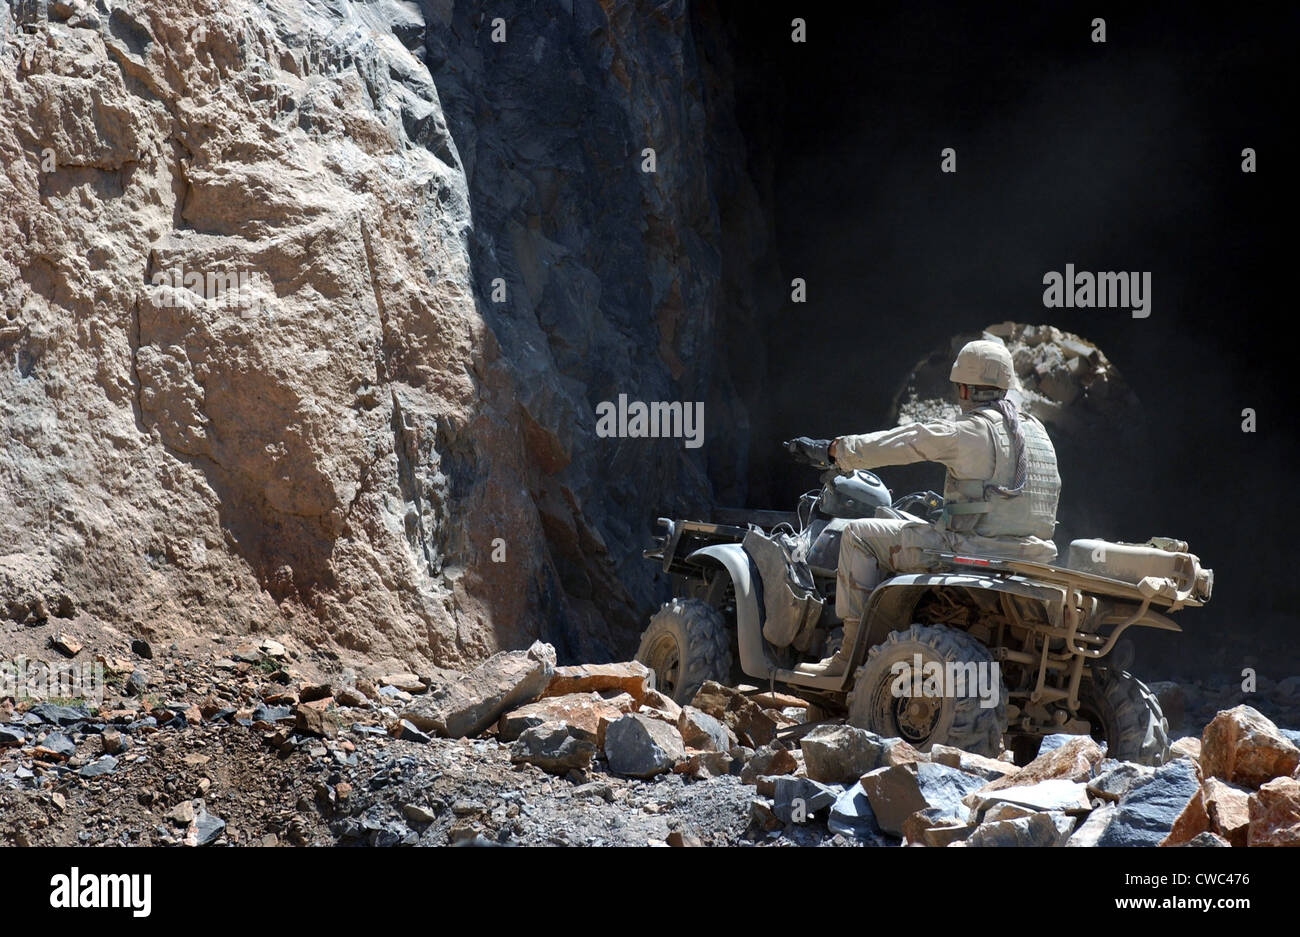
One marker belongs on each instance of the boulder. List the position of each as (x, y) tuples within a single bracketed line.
[(555, 747), (1191, 821), (898, 791), (990, 768), (1186, 747), (761, 816), (582, 712), (1244, 747), (936, 826), (769, 760), (471, 704), (754, 726), (641, 747), (351, 696), (59, 715), (701, 731), (104, 764), (55, 747), (1228, 809), (713, 698), (406, 682), (1148, 810), (703, 765), (1114, 779), (620, 700), (765, 785), (1054, 794), (404, 730), (851, 815), (796, 800), (1207, 838), (313, 720), (1039, 829), (631, 677), (840, 754), (1005, 811), (204, 828), (662, 706), (899, 752), (1050, 743), (1090, 831), (1275, 814), (1074, 759)]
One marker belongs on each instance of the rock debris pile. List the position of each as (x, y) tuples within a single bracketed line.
[(245, 748)]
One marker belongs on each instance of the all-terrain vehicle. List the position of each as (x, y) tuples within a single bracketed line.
[(737, 616)]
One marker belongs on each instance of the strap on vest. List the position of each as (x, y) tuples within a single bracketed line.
[(962, 507)]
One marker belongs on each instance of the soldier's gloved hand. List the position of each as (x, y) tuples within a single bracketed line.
[(815, 451)]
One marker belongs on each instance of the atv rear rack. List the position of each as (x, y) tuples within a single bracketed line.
[(1072, 578)]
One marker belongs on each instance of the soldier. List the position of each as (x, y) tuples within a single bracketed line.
[(1000, 492)]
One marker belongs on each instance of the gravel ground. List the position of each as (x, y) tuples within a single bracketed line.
[(208, 749)]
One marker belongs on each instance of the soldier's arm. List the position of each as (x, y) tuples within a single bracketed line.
[(962, 445)]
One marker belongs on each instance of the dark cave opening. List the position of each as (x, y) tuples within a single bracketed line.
[(1117, 156)]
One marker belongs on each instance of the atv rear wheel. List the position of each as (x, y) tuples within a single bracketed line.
[(925, 720), (686, 644), (1126, 715)]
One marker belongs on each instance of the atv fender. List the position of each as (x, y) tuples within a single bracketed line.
[(749, 607), (890, 605)]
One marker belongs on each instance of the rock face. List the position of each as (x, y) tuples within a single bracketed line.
[(255, 367)]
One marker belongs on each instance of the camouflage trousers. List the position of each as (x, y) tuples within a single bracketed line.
[(875, 547)]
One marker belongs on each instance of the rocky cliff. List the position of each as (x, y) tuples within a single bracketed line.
[(305, 309)]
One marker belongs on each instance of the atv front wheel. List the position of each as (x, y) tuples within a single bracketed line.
[(686, 644), (891, 695), (1126, 715)]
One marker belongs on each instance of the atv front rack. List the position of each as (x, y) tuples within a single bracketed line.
[(682, 538)]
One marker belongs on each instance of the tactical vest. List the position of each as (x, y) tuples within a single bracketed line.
[(967, 507)]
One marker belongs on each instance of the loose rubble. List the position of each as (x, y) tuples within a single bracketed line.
[(246, 748)]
